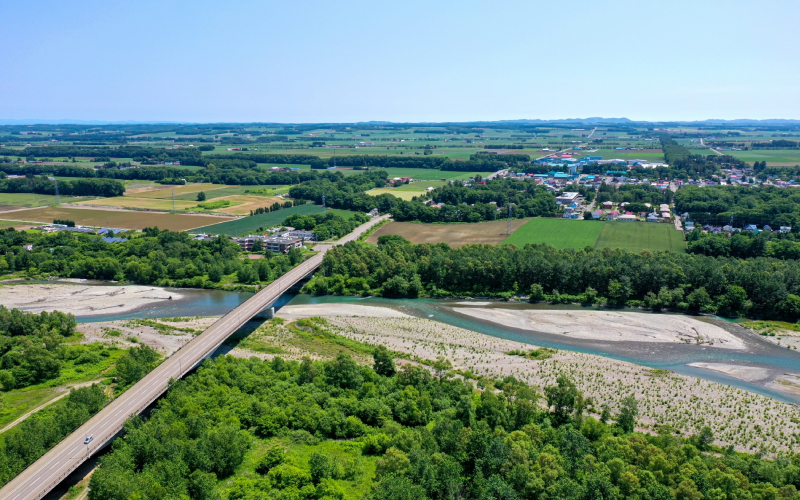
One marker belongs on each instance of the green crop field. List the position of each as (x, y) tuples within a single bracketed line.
[(630, 236), (29, 200), (248, 224), (561, 233), (638, 236), (429, 174), (787, 156)]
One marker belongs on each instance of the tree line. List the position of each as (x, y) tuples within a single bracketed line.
[(162, 258), (74, 187), (757, 287), (717, 204), (234, 430)]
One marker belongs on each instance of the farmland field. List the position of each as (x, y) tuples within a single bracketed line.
[(403, 194), (776, 157), (246, 225), (638, 236), (181, 190), (5, 224), (114, 218), (147, 203), (429, 174), (561, 233), (33, 199), (455, 235), (242, 205), (232, 190)]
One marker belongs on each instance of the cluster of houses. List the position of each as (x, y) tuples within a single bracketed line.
[(620, 214), (689, 226)]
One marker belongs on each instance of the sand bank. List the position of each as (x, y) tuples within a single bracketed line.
[(787, 382), (332, 310), (746, 373), (611, 326), (687, 403), (82, 300)]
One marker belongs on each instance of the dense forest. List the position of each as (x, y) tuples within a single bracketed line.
[(163, 258), (759, 287), (73, 187), (246, 429), (716, 205)]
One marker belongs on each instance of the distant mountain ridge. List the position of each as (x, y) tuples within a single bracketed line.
[(595, 120)]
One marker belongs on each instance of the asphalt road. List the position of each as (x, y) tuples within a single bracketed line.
[(44, 474)]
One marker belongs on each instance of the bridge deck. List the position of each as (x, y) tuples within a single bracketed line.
[(47, 472)]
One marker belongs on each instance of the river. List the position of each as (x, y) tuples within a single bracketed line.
[(670, 356)]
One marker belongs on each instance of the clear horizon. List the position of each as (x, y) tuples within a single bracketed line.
[(314, 62)]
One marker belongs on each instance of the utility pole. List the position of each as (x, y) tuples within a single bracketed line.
[(58, 198), (508, 229), (323, 203), (334, 158), (173, 201)]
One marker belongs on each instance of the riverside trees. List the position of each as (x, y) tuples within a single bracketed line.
[(760, 287), (251, 429)]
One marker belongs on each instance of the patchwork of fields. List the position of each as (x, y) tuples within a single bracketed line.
[(113, 218), (247, 225), (33, 199), (773, 157)]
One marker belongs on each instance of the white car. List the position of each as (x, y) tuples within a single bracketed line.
[(88, 440)]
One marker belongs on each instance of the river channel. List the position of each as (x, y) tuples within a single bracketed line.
[(670, 356)]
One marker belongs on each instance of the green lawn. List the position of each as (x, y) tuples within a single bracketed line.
[(561, 233), (638, 236), (249, 224)]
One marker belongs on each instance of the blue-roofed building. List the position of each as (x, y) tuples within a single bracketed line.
[(590, 157), (109, 239)]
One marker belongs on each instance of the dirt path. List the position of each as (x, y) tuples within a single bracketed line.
[(45, 405)]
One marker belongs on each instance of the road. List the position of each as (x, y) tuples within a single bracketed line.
[(44, 474)]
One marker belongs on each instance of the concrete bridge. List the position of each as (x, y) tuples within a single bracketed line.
[(47, 472)]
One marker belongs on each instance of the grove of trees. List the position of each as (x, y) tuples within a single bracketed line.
[(758, 287), (235, 430)]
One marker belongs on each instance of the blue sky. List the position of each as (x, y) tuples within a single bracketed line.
[(310, 61)]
